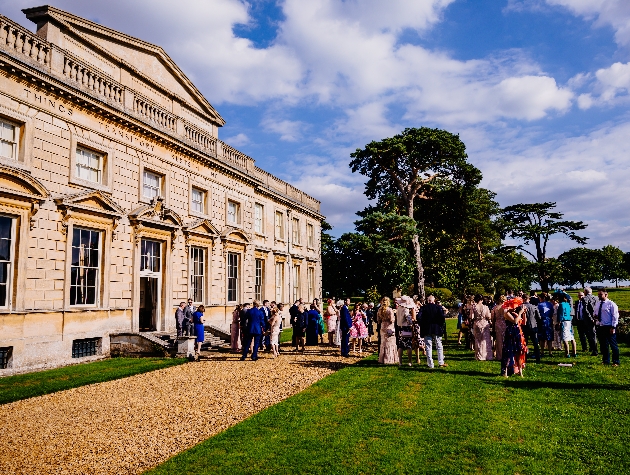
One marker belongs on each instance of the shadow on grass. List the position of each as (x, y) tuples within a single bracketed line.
[(525, 383)]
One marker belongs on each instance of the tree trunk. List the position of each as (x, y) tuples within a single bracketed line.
[(419, 267)]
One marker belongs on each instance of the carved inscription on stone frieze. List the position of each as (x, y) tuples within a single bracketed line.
[(126, 135), (54, 103)]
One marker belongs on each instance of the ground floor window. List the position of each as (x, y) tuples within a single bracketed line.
[(150, 255), (296, 282), (232, 276), (85, 266), (279, 282), (197, 273), (85, 347), (258, 284), (6, 258), (311, 284), (5, 356)]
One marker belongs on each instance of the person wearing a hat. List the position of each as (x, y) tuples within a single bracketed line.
[(405, 315)]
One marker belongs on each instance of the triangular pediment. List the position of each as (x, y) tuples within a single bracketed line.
[(94, 202), (18, 183), (149, 70), (202, 227)]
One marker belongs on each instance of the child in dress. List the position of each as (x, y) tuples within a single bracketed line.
[(358, 331)]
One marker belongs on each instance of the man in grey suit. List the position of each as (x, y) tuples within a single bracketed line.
[(189, 328), (585, 319), (532, 320)]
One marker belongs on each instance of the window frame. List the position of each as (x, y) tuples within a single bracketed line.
[(164, 182), (192, 274), (10, 275), (279, 236), (310, 277), (99, 268), (259, 219), (237, 214), (236, 278), (107, 163), (296, 281), (25, 139), (279, 266), (17, 131), (202, 194), (310, 235), (100, 170), (295, 232), (259, 278)]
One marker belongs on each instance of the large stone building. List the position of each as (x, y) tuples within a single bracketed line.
[(118, 200)]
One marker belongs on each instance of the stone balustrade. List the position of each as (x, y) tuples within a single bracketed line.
[(233, 156), (92, 79), (151, 111), (19, 40), (201, 138), (276, 184)]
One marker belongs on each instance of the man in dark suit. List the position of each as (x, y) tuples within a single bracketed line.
[(585, 319), (255, 321), (293, 313), (432, 322), (345, 323), (532, 320), (267, 311)]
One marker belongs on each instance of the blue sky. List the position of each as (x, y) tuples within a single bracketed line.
[(537, 89)]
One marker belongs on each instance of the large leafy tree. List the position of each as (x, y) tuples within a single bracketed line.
[(535, 223), (407, 165), (612, 264), (581, 265)]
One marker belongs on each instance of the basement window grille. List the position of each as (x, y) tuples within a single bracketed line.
[(5, 356), (85, 347)]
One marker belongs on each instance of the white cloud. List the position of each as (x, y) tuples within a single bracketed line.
[(289, 130), (614, 13), (238, 140)]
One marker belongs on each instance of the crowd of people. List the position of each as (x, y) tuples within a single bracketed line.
[(494, 329), (505, 327)]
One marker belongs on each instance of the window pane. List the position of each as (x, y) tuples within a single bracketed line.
[(85, 266), (4, 272), (3, 295)]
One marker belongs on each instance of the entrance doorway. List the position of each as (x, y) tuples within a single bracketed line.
[(149, 303)]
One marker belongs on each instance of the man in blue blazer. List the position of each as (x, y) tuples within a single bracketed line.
[(255, 322), (345, 325)]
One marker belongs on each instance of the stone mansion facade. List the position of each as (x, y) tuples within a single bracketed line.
[(118, 200)]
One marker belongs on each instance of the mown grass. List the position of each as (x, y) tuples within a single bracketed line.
[(620, 296), (463, 419), (22, 386)]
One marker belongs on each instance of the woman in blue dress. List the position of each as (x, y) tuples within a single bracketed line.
[(198, 321), (312, 329)]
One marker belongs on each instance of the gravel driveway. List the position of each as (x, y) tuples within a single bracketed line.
[(132, 424)]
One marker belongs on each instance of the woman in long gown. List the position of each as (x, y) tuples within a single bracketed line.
[(331, 321), (481, 330), (388, 353), (498, 327), (235, 341), (274, 324), (514, 344), (312, 328)]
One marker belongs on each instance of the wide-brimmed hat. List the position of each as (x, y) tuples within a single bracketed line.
[(407, 301), (340, 303), (512, 303)]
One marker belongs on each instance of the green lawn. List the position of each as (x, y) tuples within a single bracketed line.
[(620, 296), (22, 386), (463, 419)]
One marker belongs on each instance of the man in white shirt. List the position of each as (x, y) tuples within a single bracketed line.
[(607, 319)]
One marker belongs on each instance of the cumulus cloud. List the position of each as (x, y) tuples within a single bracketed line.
[(613, 13)]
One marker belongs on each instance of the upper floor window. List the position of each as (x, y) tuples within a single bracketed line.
[(9, 138), (296, 231), (198, 200), (310, 235), (85, 266), (233, 212), (151, 184), (258, 218), (279, 225), (89, 165)]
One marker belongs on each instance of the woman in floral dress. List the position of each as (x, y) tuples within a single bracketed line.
[(480, 316), (358, 331), (498, 327), (514, 344)]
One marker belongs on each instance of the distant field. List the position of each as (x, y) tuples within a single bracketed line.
[(620, 296)]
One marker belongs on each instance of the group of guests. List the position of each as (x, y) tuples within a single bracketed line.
[(255, 326), (504, 328), (189, 321), (411, 325)]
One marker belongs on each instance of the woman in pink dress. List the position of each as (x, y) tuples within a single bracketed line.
[(498, 327), (331, 315), (358, 331), (235, 341), (388, 353)]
